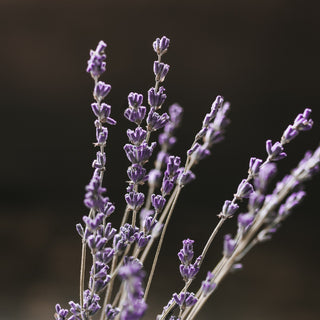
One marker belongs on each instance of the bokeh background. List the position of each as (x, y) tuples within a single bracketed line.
[(263, 56)]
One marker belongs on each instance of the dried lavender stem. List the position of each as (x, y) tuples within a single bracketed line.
[(82, 270), (160, 244), (163, 215), (117, 297), (110, 287), (212, 236)]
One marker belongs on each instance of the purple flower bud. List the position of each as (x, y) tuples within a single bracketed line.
[(185, 255), (61, 314), (154, 178), (175, 112), (173, 165), (75, 309), (139, 154), (228, 210), (134, 200), (216, 105), (160, 70), (136, 136), (133, 311), (135, 115), (212, 136), (137, 174), (221, 121), (244, 190), (96, 64), (93, 197), (265, 175), (105, 255), (245, 221), (303, 121), (101, 135), (135, 100), (254, 166), (193, 149), (108, 208), (155, 121), (166, 140), (148, 223), (80, 229), (90, 302), (185, 177), (229, 245), (160, 46), (179, 299), (289, 134), (185, 299), (200, 153), (119, 244), (207, 285), (142, 239), (101, 90), (188, 272), (100, 161), (167, 186), (156, 99), (158, 202), (93, 223), (275, 151), (111, 313), (107, 231), (256, 201), (162, 159)]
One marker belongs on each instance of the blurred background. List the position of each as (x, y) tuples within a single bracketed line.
[(263, 56)]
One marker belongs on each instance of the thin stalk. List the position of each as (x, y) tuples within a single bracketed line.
[(163, 215), (134, 217), (118, 295), (212, 236), (82, 270), (160, 244), (109, 289)]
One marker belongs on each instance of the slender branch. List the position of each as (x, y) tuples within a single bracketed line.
[(160, 244)]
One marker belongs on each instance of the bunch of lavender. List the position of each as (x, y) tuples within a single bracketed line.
[(115, 286)]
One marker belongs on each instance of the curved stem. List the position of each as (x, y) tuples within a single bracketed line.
[(159, 245)]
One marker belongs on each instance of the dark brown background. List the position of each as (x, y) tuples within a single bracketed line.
[(263, 56)]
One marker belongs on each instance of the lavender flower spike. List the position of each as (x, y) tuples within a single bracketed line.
[(228, 246)]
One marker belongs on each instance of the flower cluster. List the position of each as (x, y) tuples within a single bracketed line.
[(117, 283)]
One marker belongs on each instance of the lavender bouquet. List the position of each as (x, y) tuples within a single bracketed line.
[(117, 285)]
